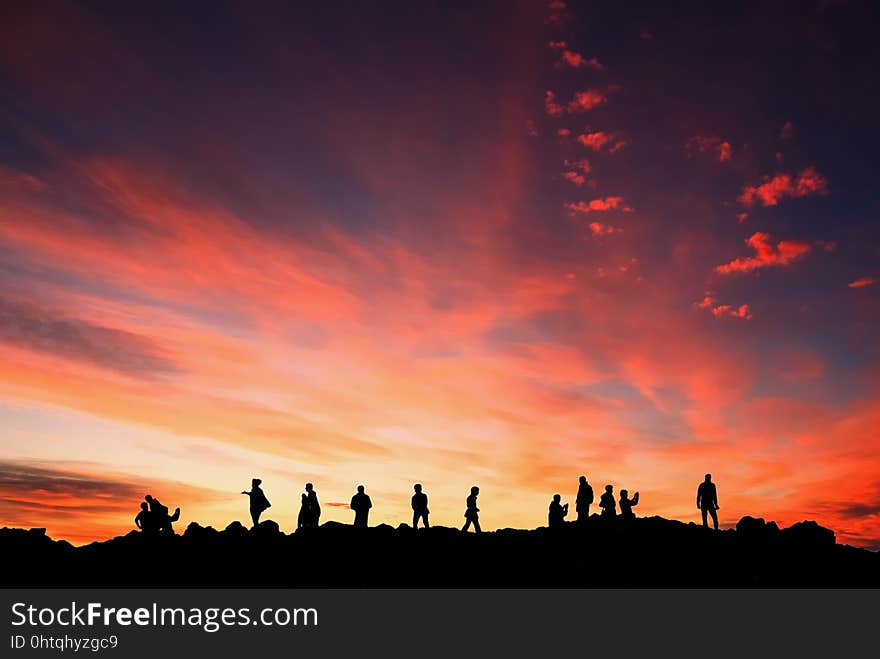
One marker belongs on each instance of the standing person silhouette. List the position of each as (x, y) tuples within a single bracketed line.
[(361, 504), (302, 519), (471, 514), (606, 503), (583, 500), (259, 502), (556, 514), (420, 506), (626, 504), (314, 508), (707, 500)]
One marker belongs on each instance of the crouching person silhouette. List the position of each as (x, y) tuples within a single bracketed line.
[(160, 516), (471, 514), (259, 502), (626, 504), (557, 513)]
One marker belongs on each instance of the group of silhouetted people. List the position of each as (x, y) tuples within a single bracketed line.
[(585, 498), (155, 518)]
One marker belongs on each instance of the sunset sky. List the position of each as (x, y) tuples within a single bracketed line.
[(454, 243)]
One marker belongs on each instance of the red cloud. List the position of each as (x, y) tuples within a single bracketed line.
[(600, 140), (709, 144), (577, 169), (586, 100), (558, 45), (599, 205), (574, 177), (583, 165), (551, 106), (599, 229), (787, 131), (577, 61), (724, 310), (785, 252), (861, 283), (769, 193), (563, 132), (741, 311)]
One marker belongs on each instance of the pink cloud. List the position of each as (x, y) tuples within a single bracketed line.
[(563, 132), (558, 45), (552, 108), (599, 140), (776, 188), (861, 283), (713, 144), (725, 310), (575, 60), (599, 229), (576, 171), (575, 177), (585, 100), (742, 217), (766, 254), (599, 205)]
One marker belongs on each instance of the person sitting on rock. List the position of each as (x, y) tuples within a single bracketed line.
[(607, 504), (145, 520), (160, 515), (557, 513), (626, 504), (259, 502)]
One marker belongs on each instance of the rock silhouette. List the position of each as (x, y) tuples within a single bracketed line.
[(645, 552)]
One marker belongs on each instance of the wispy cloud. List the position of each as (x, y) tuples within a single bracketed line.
[(599, 205), (29, 326), (862, 282), (767, 254), (603, 141), (775, 188), (718, 147)]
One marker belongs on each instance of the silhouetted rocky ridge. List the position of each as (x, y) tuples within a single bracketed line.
[(650, 551)]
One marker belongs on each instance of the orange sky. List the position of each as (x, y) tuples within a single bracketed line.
[(383, 266)]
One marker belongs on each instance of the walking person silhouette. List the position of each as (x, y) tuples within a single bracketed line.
[(420, 506), (707, 500), (471, 514), (556, 514), (361, 504), (607, 504), (583, 500), (259, 502), (626, 504)]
